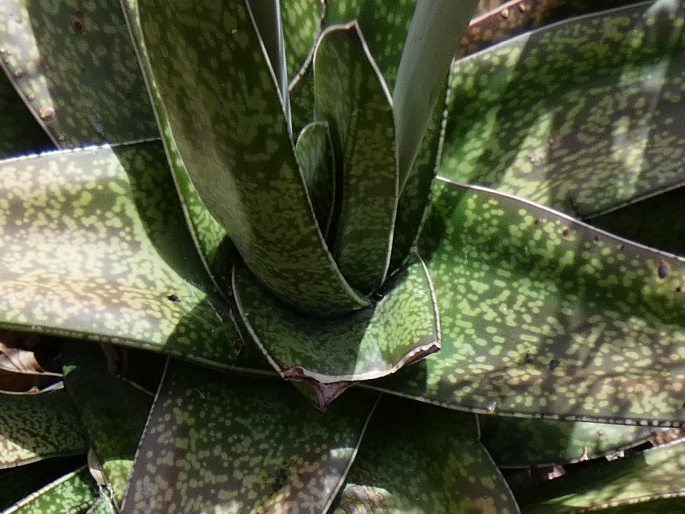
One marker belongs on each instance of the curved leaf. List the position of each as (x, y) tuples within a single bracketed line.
[(582, 116), (242, 445), (302, 21), (350, 94), (544, 315), (233, 137), (418, 458), (74, 64), (401, 328), (94, 245)]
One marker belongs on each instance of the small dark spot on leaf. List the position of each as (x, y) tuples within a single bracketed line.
[(566, 232), (679, 289), (77, 24), (596, 238), (173, 298), (536, 222), (621, 246), (554, 364), (663, 269), (280, 478)]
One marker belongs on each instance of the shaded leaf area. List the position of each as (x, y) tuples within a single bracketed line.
[(350, 94), (582, 116), (673, 505), (657, 221), (38, 426), (210, 237), (401, 328), (385, 25), (544, 315), (28, 362), (73, 493), (94, 246), (650, 475), (515, 442), (102, 506), (418, 458), (302, 100), (112, 411), (75, 65), (17, 483), (19, 131), (301, 24), (237, 147), (497, 20), (220, 443)]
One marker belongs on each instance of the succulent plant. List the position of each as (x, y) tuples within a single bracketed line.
[(465, 266)]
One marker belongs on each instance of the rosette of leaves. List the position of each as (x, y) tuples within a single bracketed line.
[(261, 203)]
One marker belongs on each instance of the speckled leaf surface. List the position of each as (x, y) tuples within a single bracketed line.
[(112, 411), (234, 140), (74, 64), (314, 152), (650, 475), (102, 506), (301, 24), (516, 442), (94, 245), (210, 237), (71, 494), (422, 459), (541, 314), (218, 443), (401, 328), (19, 130), (350, 94), (38, 426), (582, 116), (302, 99)]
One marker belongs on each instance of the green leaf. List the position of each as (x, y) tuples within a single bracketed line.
[(112, 411), (639, 478), (94, 246), (582, 116), (542, 314), (434, 34), (350, 94), (102, 506), (233, 137), (73, 493), (74, 63), (302, 21), (514, 442), (302, 99), (38, 426), (314, 151), (417, 458), (19, 130), (221, 442), (401, 328)]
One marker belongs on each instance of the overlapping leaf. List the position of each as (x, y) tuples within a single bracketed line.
[(241, 444), (94, 245), (301, 24), (542, 314), (606, 133)]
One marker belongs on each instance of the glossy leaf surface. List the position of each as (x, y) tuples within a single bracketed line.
[(94, 245), (401, 328), (417, 458), (610, 131), (218, 442), (542, 314), (74, 64), (38, 426), (350, 94), (233, 137)]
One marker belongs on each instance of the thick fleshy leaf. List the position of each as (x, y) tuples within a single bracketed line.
[(542, 314), (234, 140), (515, 442), (583, 116), (112, 411), (102, 506), (38, 426), (74, 64), (650, 475), (94, 245), (434, 34), (417, 458), (401, 328), (302, 21), (350, 94), (73, 493), (19, 130), (220, 443), (302, 99), (314, 151)]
